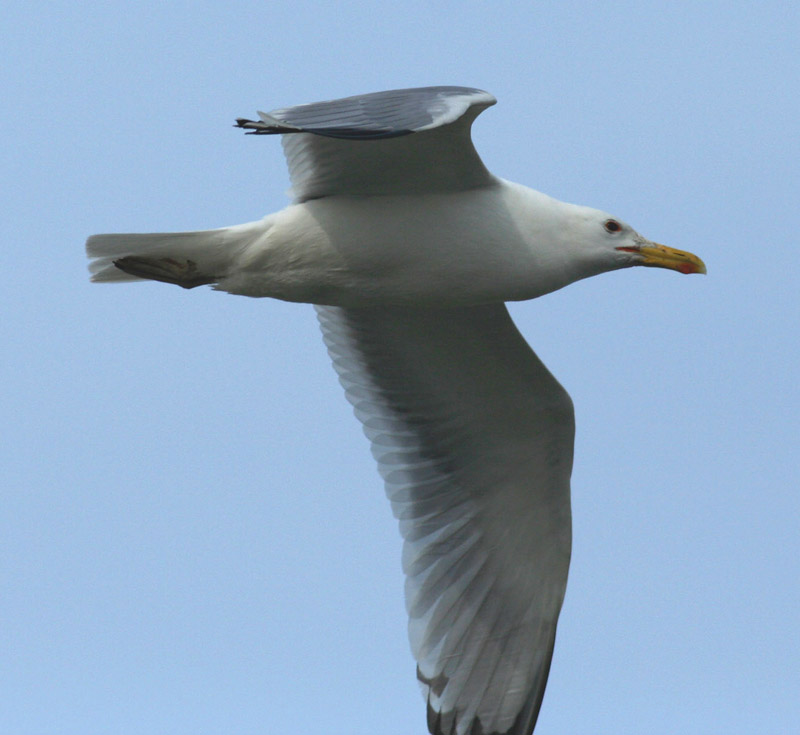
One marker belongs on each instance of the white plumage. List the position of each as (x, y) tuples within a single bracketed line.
[(409, 247)]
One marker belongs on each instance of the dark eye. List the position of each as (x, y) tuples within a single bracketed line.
[(612, 225)]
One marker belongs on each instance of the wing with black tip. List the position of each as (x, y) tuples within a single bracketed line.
[(403, 141)]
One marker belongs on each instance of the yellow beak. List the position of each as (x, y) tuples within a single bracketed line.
[(660, 256)]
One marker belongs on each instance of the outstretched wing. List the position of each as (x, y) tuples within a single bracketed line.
[(403, 141), (473, 437)]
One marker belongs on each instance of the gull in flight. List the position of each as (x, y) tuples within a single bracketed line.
[(409, 248)]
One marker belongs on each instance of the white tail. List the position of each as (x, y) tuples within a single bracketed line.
[(185, 258)]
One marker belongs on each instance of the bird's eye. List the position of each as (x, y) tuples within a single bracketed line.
[(612, 225)]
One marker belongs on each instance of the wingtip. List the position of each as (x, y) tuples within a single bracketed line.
[(252, 127)]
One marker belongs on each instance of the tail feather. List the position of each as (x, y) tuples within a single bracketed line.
[(208, 254)]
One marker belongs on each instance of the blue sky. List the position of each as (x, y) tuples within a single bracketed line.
[(193, 538)]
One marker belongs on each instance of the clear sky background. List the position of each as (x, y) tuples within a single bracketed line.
[(193, 537)]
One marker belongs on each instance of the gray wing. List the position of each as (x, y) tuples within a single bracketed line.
[(396, 142), (473, 438)]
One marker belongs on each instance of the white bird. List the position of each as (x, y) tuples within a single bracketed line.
[(409, 247)]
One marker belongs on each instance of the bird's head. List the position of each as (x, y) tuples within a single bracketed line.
[(628, 248)]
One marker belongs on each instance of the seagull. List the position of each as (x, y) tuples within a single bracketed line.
[(409, 248)]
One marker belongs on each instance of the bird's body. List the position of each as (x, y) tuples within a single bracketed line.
[(443, 249), (409, 247)]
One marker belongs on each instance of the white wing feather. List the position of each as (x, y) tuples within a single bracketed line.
[(473, 437)]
